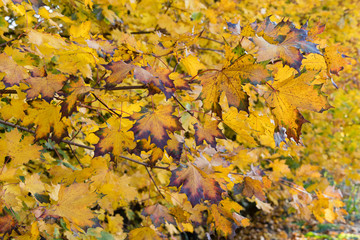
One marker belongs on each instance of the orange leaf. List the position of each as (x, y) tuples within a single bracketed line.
[(14, 72), (155, 124), (195, 184), (114, 138), (207, 132), (120, 70), (46, 86), (158, 214), (7, 224)]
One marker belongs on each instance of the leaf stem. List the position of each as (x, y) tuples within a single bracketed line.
[(271, 86)]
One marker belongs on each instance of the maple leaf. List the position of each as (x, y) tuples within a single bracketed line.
[(48, 120), (158, 214), (192, 64), (253, 184), (229, 80), (238, 121), (285, 97), (14, 73), (334, 60), (74, 92), (120, 70), (314, 31), (225, 211), (158, 78), (20, 149), (76, 196), (288, 49), (143, 233), (221, 223), (106, 181), (207, 132), (174, 147), (155, 124), (195, 184), (46, 86), (280, 169), (100, 44), (114, 138), (7, 224)]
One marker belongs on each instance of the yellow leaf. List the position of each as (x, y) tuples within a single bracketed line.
[(19, 150), (221, 223), (80, 31), (279, 169), (74, 202), (192, 65), (144, 233), (238, 121), (285, 97)]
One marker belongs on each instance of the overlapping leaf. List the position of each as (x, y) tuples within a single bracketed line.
[(287, 96), (45, 86), (76, 196), (14, 73), (114, 138), (158, 214), (229, 80), (207, 132), (196, 185), (155, 125), (282, 41)]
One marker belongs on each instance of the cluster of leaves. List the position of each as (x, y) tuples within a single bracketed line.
[(111, 107)]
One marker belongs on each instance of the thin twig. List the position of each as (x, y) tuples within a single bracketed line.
[(4, 91), (142, 32), (123, 88), (177, 100), (210, 39), (81, 145), (210, 49), (103, 103), (144, 164), (76, 134), (152, 179), (78, 160)]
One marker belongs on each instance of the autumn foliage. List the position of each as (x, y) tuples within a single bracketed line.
[(147, 119)]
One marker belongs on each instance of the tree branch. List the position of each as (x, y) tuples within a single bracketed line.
[(5, 91), (80, 145), (123, 88)]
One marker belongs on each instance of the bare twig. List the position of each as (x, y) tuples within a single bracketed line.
[(103, 103), (4, 91), (123, 88), (144, 164), (142, 32), (210, 49), (152, 179), (177, 100), (210, 39), (78, 160)]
